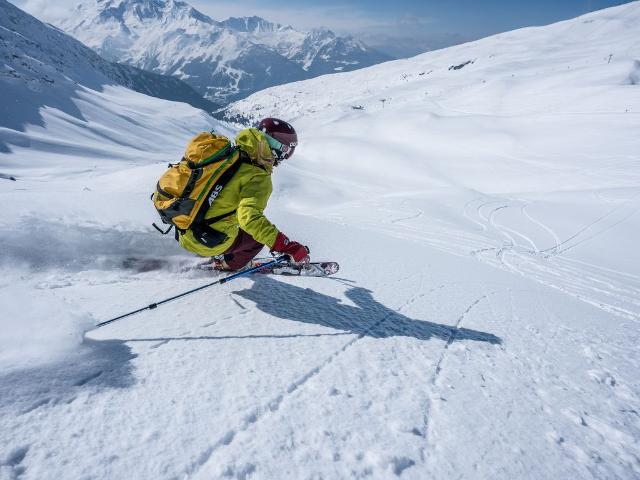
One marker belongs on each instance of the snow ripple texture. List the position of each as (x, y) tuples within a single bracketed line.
[(484, 323)]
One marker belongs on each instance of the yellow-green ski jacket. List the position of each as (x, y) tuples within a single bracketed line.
[(247, 193)]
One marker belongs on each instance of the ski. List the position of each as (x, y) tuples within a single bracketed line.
[(311, 269)]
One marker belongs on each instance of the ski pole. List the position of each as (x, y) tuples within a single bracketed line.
[(152, 306)]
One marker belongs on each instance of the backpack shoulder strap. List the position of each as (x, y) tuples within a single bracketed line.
[(217, 187)]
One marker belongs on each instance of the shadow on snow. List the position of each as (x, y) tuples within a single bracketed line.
[(367, 318), (100, 365), (97, 365)]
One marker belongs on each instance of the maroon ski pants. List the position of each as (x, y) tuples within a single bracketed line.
[(242, 251)]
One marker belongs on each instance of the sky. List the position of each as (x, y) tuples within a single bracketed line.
[(399, 27)]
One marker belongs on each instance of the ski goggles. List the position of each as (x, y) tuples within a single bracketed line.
[(281, 150)]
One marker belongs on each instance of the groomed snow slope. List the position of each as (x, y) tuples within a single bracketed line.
[(484, 323)]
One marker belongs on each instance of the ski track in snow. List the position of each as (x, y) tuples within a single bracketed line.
[(577, 279), (610, 291), (487, 322), (548, 266), (432, 382), (452, 337), (274, 404), (509, 255)]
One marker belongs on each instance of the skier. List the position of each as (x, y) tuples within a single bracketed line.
[(238, 211)]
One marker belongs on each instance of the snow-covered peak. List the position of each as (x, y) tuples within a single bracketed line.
[(144, 10), (120, 29), (222, 60), (321, 33), (254, 25)]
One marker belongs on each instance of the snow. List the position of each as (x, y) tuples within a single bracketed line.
[(172, 38), (28, 336), (484, 323)]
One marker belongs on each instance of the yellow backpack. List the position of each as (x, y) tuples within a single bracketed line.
[(187, 189)]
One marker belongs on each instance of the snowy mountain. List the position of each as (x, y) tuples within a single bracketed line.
[(45, 70), (484, 323), (48, 60), (222, 60), (472, 77), (319, 51)]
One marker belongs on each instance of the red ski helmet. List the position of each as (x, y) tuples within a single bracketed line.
[(284, 133)]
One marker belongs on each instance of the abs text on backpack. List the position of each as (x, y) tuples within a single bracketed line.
[(187, 189)]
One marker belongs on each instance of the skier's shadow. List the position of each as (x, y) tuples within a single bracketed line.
[(94, 365), (368, 317)]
